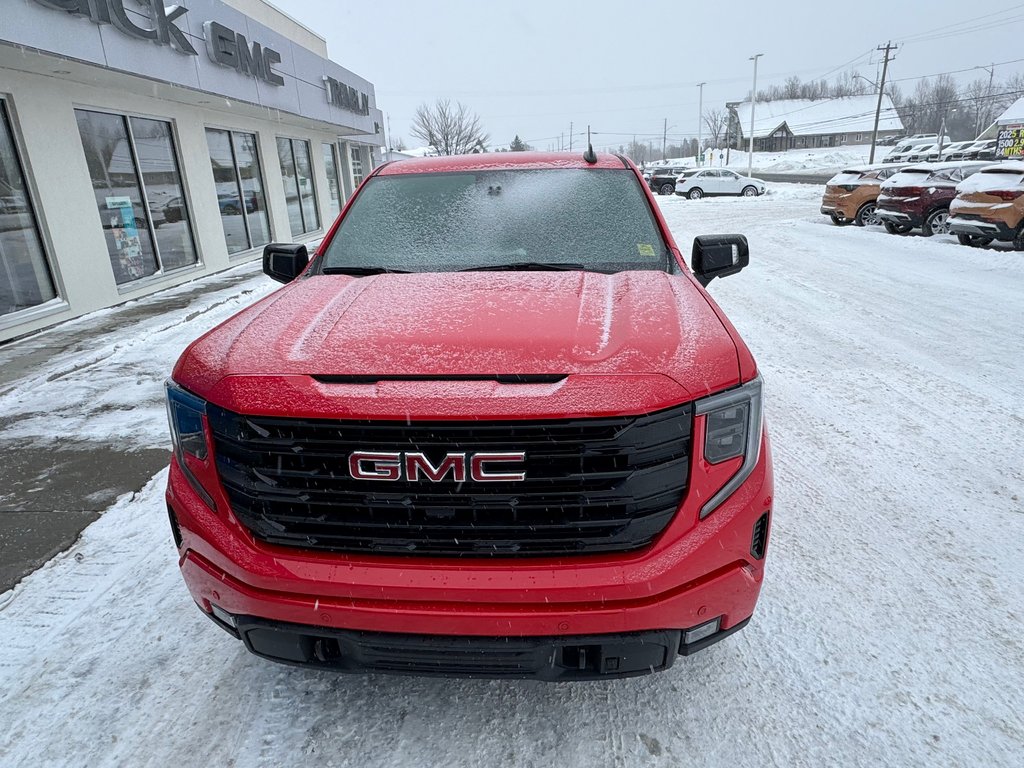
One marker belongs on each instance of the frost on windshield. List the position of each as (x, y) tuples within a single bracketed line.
[(598, 219)]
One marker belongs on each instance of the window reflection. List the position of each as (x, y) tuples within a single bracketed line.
[(299, 192), (25, 279), (240, 193), (333, 180), (139, 193), (162, 182), (357, 165), (118, 194), (247, 159)]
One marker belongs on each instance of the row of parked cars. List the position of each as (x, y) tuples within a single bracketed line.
[(925, 148), (695, 183), (977, 201)]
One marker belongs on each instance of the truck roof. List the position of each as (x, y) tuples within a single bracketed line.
[(499, 161)]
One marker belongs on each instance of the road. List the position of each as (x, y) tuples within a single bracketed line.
[(795, 178), (889, 628)]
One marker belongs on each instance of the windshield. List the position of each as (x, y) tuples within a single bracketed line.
[(597, 220)]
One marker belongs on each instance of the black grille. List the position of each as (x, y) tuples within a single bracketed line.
[(592, 485)]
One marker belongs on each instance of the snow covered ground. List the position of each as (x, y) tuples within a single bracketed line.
[(819, 160), (889, 631)]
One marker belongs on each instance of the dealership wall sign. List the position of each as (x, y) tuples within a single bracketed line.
[(230, 49), (346, 97), (224, 46), (164, 31)]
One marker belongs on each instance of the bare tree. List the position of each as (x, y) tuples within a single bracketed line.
[(637, 151), (715, 121), (792, 88), (450, 129)]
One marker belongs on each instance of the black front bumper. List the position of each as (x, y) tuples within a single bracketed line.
[(584, 657)]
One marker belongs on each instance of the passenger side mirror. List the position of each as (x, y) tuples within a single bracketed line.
[(718, 256), (285, 261)]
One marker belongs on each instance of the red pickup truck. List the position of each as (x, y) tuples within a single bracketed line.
[(493, 427)]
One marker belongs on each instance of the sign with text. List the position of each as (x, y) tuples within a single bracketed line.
[(346, 97), (224, 46), (1011, 141)]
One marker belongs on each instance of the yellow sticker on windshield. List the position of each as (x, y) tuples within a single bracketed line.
[(646, 249)]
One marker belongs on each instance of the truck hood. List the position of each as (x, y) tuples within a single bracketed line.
[(447, 325)]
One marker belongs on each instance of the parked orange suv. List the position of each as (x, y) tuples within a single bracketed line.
[(990, 206), (850, 195)]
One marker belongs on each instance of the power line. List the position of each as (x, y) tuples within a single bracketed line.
[(952, 71), (966, 30), (919, 36)]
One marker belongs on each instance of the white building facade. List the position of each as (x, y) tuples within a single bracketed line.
[(142, 146)]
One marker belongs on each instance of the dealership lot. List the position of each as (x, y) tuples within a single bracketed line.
[(889, 627)]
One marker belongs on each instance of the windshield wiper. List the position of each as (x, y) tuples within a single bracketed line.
[(530, 266), (363, 271)]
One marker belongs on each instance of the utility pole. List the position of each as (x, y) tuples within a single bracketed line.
[(664, 135), (988, 100), (753, 103), (700, 120), (887, 48), (570, 135)]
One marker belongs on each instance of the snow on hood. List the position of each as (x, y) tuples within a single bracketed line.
[(443, 324)]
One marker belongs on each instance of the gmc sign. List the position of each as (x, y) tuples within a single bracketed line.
[(393, 466)]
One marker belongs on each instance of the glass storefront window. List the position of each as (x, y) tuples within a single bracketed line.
[(165, 193), (357, 166), (299, 192), (247, 159), (333, 179), (236, 172), (138, 190), (25, 279)]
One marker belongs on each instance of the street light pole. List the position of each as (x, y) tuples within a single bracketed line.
[(700, 120), (753, 103)]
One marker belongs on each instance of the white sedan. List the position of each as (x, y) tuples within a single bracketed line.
[(699, 182)]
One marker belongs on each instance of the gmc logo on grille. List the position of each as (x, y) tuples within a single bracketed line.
[(480, 467)]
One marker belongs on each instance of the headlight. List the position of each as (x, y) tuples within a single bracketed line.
[(732, 427), (185, 413)]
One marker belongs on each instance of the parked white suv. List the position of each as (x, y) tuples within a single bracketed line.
[(699, 182)]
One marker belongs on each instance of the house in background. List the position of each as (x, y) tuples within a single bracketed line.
[(802, 123)]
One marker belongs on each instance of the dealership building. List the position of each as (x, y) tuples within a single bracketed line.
[(144, 145)]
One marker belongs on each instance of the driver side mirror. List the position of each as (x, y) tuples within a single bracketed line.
[(718, 256), (285, 261)]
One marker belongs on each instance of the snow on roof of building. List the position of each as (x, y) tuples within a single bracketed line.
[(1014, 114), (824, 116)]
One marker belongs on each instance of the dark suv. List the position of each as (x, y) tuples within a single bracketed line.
[(663, 180), (919, 196)]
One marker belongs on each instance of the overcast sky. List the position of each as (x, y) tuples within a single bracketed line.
[(529, 67)]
